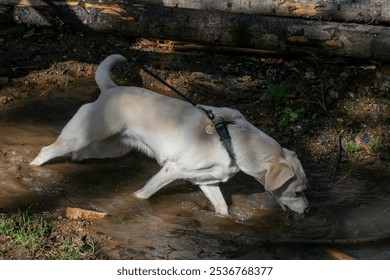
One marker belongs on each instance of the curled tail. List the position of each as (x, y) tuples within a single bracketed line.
[(102, 76)]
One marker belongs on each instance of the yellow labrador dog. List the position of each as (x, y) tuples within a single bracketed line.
[(173, 132)]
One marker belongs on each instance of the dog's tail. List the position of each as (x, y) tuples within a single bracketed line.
[(102, 76)]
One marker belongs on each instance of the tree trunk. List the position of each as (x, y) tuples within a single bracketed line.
[(285, 35)]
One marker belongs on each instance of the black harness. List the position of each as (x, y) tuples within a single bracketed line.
[(222, 130), (220, 125)]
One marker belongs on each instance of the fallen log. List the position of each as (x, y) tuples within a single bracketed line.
[(284, 35), (369, 11)]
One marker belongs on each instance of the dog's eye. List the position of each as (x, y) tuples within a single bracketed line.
[(299, 194)]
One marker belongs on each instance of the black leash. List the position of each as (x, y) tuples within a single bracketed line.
[(220, 126)]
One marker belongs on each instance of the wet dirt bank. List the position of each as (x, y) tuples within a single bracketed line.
[(42, 87)]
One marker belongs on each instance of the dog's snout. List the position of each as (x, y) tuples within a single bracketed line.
[(300, 216)]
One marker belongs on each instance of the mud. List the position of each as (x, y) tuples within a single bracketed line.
[(41, 90)]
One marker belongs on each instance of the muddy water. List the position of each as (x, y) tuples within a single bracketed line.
[(178, 222)]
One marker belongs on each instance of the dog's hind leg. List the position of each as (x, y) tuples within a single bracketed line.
[(86, 126), (166, 175), (110, 147), (214, 194), (58, 148)]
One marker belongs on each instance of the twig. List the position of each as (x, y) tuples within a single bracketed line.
[(339, 151), (201, 88), (172, 249), (323, 106), (323, 242), (42, 93), (342, 178)]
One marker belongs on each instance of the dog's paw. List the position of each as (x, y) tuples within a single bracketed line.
[(136, 195), (75, 156), (222, 212), (35, 162)]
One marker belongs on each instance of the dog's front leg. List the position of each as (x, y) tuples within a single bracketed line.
[(214, 194), (166, 175)]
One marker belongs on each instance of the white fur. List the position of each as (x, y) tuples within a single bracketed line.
[(173, 132)]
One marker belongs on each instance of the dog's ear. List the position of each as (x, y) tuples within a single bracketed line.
[(277, 175)]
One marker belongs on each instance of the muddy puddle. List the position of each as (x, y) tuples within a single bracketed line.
[(178, 222)]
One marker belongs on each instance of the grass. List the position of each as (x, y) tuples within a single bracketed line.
[(33, 238), (341, 86), (67, 250), (278, 92), (351, 147), (349, 111), (24, 231), (290, 116), (120, 219), (278, 95), (374, 145), (67, 81), (185, 72)]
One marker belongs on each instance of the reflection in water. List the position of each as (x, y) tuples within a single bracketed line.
[(179, 222)]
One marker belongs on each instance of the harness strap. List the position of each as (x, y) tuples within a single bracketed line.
[(223, 132)]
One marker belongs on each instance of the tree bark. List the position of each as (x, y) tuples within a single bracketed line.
[(285, 35)]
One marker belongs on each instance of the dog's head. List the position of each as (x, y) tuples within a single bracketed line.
[(285, 178)]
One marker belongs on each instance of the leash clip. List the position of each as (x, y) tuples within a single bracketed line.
[(209, 113)]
